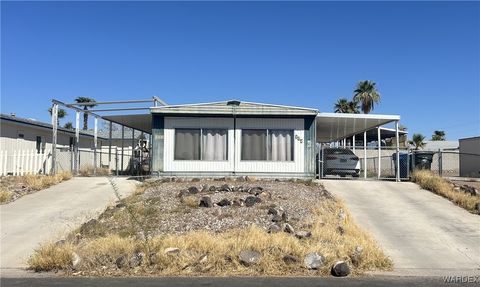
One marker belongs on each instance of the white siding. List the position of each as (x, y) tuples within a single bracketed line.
[(234, 164)]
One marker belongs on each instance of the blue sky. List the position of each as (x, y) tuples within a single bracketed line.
[(424, 56)]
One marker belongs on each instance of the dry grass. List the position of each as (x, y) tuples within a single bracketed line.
[(190, 201), (222, 249), (50, 257), (430, 181), (88, 171), (5, 195), (39, 182)]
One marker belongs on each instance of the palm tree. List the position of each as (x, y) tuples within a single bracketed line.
[(82, 100), (61, 113), (438, 136), (345, 106), (68, 125), (417, 141), (367, 95)]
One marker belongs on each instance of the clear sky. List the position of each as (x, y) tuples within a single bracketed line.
[(424, 56)]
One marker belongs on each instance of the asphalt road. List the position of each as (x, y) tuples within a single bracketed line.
[(423, 233), (237, 282)]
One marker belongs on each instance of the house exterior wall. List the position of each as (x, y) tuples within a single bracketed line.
[(164, 143), (470, 157)]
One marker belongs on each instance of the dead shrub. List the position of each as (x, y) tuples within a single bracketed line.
[(51, 256), (436, 184), (5, 195)]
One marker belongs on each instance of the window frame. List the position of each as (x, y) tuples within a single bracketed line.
[(201, 145), (267, 146)]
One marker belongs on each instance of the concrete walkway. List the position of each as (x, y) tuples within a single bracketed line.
[(49, 214), (423, 233)]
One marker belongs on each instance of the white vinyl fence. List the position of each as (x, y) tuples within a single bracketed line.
[(21, 162)]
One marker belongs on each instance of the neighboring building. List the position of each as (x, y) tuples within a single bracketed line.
[(20, 135), (470, 157), (441, 145)]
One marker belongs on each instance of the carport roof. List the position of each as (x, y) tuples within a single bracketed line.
[(332, 126)]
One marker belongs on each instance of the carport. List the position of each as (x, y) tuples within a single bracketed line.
[(335, 129)]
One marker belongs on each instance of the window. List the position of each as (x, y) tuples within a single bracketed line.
[(187, 144), (201, 144), (39, 144), (21, 136), (271, 145)]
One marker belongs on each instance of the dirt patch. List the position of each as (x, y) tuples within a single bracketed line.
[(218, 228)]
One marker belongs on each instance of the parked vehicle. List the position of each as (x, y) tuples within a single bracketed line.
[(340, 161)]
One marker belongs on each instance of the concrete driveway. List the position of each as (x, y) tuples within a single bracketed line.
[(423, 233), (49, 214)]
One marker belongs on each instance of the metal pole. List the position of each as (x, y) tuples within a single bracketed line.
[(54, 138), (123, 138), (379, 153), (323, 162), (440, 162), (95, 138), (77, 140), (116, 161), (353, 143), (397, 142), (365, 154), (110, 126)]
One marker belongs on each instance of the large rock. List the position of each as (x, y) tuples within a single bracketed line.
[(212, 188), (265, 195), (277, 218), (205, 188), (121, 261), (205, 201), (136, 259), (314, 261), (251, 200), (255, 190), (285, 216), (288, 228), (249, 257), (274, 228), (272, 211), (224, 202), (340, 269), (250, 178), (356, 256), (477, 207), (183, 193), (303, 234), (76, 260), (193, 190), (226, 188)]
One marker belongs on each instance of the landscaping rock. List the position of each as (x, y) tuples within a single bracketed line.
[(60, 242), (153, 257), (225, 188), (136, 259), (314, 261), (183, 193), (224, 202), (76, 260), (341, 215), (274, 228), (340, 269), (250, 178), (288, 228), (356, 256), (277, 218), (205, 188), (193, 190), (171, 250), (255, 190), (265, 195), (290, 259), (285, 216), (272, 211), (251, 200), (195, 179), (205, 201), (89, 225), (303, 234), (121, 261), (212, 188), (477, 207), (341, 230), (249, 257)]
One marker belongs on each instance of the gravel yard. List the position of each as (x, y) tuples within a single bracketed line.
[(213, 227)]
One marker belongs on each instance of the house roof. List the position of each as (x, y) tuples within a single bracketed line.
[(236, 107), (103, 135), (441, 145)]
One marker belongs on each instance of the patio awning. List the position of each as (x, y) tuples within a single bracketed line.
[(332, 126), (140, 122)]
